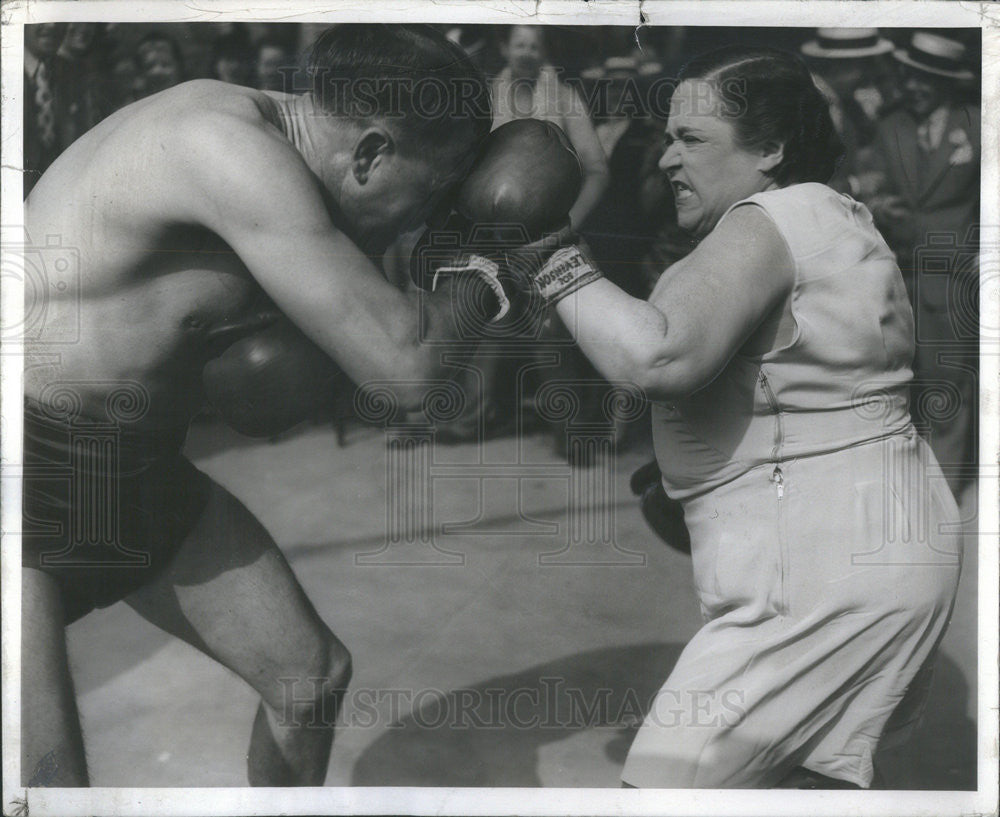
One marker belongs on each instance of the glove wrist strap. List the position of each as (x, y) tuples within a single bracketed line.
[(484, 269), (567, 270)]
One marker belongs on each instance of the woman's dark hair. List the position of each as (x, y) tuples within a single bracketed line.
[(769, 95), (411, 74)]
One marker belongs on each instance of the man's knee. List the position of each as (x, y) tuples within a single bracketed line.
[(312, 693), (339, 664)]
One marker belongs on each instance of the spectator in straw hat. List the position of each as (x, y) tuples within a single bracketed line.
[(847, 63), (929, 151)]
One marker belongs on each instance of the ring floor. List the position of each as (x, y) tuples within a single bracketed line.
[(523, 657)]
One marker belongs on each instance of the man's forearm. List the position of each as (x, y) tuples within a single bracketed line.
[(435, 324)]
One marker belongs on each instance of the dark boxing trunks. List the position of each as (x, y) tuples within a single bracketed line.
[(105, 509)]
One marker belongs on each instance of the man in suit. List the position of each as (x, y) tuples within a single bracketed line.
[(50, 99), (929, 153)]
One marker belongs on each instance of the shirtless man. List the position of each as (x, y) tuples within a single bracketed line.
[(186, 208)]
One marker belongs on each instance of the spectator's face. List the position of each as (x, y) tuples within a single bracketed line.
[(923, 93), (844, 76), (525, 51), (79, 38), (707, 168), (270, 61), (43, 40), (158, 65), (232, 69), (127, 81)]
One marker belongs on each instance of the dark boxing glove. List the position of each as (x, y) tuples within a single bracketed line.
[(519, 191), (525, 181), (272, 380), (665, 516), (527, 175)]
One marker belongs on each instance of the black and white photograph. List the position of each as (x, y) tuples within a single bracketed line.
[(510, 408)]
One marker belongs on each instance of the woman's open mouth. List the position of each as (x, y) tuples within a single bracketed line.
[(681, 191)]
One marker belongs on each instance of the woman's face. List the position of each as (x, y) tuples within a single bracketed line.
[(708, 170), (525, 51)]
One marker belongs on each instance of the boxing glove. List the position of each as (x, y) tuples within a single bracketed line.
[(665, 516), (520, 189), (272, 380), (526, 174)]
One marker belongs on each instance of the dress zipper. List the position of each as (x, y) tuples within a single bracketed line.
[(777, 476)]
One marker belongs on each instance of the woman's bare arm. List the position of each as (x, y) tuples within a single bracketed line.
[(700, 313)]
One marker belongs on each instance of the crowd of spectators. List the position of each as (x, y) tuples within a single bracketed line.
[(905, 104), (76, 74)]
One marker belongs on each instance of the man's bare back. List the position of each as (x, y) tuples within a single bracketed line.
[(154, 283)]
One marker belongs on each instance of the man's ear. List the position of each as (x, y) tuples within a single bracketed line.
[(771, 155), (372, 147)]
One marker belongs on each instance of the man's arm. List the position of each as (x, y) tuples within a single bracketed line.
[(263, 200)]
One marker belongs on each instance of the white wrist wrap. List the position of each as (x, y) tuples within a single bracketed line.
[(567, 270)]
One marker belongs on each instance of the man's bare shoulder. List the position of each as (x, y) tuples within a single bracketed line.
[(228, 143), (206, 95), (205, 109)]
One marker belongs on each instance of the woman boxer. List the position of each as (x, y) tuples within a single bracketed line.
[(777, 356)]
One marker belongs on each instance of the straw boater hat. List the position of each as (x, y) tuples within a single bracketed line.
[(847, 43), (935, 54)]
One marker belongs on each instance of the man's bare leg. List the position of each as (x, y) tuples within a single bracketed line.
[(51, 740), (230, 593)]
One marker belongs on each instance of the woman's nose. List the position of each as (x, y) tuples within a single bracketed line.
[(669, 159)]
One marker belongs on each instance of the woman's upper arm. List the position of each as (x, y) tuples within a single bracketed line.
[(715, 298)]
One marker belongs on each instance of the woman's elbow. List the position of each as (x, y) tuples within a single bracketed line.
[(665, 380)]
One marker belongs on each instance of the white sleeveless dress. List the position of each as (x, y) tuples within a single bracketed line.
[(825, 541)]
